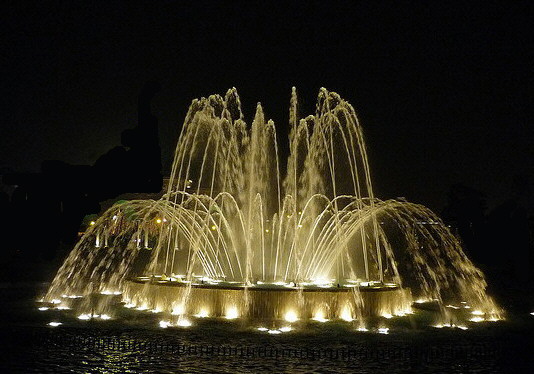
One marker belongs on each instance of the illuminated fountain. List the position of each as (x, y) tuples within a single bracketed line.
[(234, 238)]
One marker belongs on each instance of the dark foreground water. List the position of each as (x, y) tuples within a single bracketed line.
[(133, 343)]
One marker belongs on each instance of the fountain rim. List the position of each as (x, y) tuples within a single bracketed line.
[(239, 286)]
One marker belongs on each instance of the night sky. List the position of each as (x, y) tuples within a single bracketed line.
[(442, 90)]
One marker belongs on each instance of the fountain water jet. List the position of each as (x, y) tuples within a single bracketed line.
[(234, 238)]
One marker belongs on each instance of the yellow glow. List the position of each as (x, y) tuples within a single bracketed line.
[(203, 313), (213, 227), (274, 332), (362, 329), (291, 316), (158, 220), (421, 301), (477, 319), (92, 223), (56, 301), (346, 314), (285, 329), (383, 330), (262, 329), (84, 317), (266, 230), (183, 322), (477, 313), (232, 313), (178, 310), (387, 315), (319, 316)]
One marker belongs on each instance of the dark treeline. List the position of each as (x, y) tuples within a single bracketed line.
[(45, 210), (500, 240)]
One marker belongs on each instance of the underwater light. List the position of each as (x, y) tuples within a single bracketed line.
[(291, 316), (182, 322)]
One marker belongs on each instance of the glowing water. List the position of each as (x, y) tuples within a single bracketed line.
[(231, 226)]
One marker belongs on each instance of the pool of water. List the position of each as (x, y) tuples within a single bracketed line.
[(137, 344)]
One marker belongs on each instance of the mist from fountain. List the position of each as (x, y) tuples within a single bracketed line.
[(230, 221)]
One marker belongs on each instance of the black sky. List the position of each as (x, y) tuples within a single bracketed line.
[(443, 90)]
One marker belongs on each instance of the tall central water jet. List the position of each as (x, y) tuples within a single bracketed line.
[(232, 237)]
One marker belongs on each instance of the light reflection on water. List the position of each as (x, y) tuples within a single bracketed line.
[(93, 349), (140, 346)]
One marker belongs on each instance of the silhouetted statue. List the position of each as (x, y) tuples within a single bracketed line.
[(47, 208), (136, 165)]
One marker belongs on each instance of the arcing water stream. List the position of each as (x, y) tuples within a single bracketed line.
[(233, 237)]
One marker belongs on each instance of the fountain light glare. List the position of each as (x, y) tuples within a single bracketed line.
[(231, 313), (178, 310), (105, 317), (291, 316), (71, 296), (203, 313), (262, 329), (274, 332), (346, 314), (43, 308), (476, 319), (54, 324), (84, 317), (285, 329), (383, 330), (320, 317), (183, 322), (387, 315), (362, 329), (164, 324), (477, 313)]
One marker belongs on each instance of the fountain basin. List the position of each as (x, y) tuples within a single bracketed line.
[(269, 301)]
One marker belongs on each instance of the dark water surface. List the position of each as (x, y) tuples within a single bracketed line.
[(138, 345)]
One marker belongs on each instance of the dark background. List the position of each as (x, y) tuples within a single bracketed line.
[(442, 88)]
